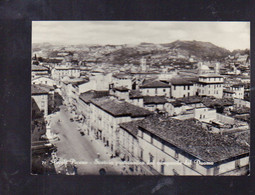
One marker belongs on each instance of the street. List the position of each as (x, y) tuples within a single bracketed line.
[(83, 149)]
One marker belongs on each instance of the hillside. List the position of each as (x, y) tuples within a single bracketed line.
[(177, 52), (202, 50)]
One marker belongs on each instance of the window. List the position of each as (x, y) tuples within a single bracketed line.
[(174, 87), (162, 146), (141, 154), (151, 139), (151, 158), (42, 104), (188, 87), (176, 155), (193, 164), (142, 134), (164, 90), (216, 170), (156, 90), (162, 169), (184, 87), (237, 164)]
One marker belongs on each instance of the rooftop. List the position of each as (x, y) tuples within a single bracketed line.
[(120, 108), (190, 100), (39, 68), (211, 76), (189, 136), (122, 76), (123, 89), (36, 90), (211, 102), (135, 94), (154, 100), (89, 95), (176, 103), (237, 85), (155, 84), (44, 87), (180, 81), (228, 91), (131, 127)]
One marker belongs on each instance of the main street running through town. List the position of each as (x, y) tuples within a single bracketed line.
[(83, 148)]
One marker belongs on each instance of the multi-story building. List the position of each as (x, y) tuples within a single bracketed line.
[(38, 71), (155, 103), (107, 113), (40, 97), (238, 90), (210, 85), (183, 147), (83, 107), (136, 98), (181, 88), (44, 81), (156, 88), (61, 72), (122, 80)]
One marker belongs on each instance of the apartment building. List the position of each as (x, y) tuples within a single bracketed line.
[(183, 147), (210, 85), (107, 113)]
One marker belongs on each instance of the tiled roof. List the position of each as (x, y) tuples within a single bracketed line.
[(131, 127), (176, 103), (189, 136), (237, 85), (121, 88), (211, 102), (46, 88), (154, 100), (228, 91), (89, 95), (39, 68), (120, 108), (36, 90), (190, 100), (180, 81), (155, 84), (122, 76), (135, 94)]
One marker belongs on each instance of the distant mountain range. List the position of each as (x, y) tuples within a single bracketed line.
[(121, 54)]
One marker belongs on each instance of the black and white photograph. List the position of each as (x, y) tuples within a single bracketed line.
[(167, 98)]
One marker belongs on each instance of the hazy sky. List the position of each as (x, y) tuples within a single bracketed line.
[(230, 35)]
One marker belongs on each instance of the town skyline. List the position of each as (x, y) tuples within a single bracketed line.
[(229, 35)]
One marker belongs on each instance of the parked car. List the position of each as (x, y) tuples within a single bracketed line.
[(71, 119)]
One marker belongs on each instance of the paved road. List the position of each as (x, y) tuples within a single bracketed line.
[(73, 145)]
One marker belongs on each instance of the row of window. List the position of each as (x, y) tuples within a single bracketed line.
[(184, 87), (215, 86), (156, 90)]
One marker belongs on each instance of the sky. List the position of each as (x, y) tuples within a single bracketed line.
[(229, 35)]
